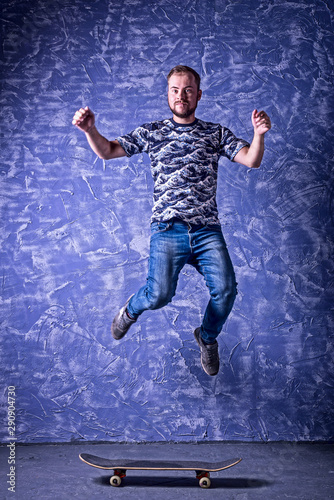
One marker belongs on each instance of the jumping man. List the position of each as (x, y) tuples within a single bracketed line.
[(185, 228)]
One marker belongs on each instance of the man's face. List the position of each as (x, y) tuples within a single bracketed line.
[(183, 96)]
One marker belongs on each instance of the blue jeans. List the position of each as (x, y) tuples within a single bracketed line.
[(174, 244)]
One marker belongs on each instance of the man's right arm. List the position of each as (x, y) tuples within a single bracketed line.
[(84, 119)]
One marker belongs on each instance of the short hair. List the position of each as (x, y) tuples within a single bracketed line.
[(185, 69)]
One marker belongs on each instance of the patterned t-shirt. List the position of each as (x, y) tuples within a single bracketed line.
[(184, 163)]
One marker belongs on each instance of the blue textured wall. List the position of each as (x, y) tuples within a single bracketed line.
[(75, 229)]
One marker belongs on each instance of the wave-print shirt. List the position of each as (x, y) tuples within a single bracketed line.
[(184, 163)]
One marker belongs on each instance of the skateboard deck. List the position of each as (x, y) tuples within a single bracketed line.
[(120, 466)]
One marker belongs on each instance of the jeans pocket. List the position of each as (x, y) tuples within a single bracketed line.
[(160, 227)]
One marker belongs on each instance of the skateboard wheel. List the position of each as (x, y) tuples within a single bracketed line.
[(115, 481), (205, 482)]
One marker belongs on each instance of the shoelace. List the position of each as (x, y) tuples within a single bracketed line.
[(124, 321), (211, 352)]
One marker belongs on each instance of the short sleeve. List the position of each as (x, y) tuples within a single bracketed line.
[(136, 141), (230, 145)]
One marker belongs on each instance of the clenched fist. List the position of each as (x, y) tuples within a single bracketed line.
[(261, 122), (84, 119)]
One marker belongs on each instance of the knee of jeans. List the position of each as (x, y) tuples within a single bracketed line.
[(226, 294), (158, 300)]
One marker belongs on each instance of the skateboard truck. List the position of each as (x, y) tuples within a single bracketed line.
[(116, 479), (203, 478)]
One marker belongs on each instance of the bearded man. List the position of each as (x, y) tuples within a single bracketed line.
[(185, 228)]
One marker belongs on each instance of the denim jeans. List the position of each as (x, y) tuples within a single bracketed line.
[(174, 244)]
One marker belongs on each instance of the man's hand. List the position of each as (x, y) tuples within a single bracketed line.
[(261, 122), (252, 156), (84, 119)]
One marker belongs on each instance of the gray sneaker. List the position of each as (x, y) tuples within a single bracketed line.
[(122, 322), (209, 354)]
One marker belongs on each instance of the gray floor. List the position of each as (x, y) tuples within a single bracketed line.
[(267, 471)]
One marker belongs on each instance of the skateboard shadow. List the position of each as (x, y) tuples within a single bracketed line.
[(186, 482)]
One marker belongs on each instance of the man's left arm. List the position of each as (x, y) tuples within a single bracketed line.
[(252, 156)]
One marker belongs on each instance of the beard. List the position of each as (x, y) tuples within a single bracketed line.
[(187, 112)]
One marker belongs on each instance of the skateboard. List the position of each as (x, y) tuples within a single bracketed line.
[(121, 466)]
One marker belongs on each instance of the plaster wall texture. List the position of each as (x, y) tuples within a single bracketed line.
[(75, 229)]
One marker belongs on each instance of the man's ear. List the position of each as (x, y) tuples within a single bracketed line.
[(199, 95)]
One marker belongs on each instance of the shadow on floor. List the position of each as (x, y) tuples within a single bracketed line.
[(185, 482)]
